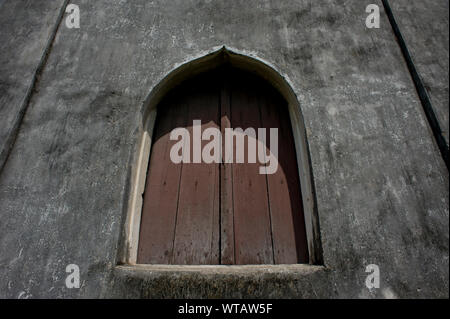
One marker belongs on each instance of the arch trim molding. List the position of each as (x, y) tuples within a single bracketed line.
[(182, 72)]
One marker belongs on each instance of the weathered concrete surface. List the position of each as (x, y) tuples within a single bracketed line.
[(382, 187), (424, 26), (220, 282), (26, 28)]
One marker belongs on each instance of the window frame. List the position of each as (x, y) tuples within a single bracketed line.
[(130, 236)]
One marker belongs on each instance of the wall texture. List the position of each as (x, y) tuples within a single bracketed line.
[(381, 184)]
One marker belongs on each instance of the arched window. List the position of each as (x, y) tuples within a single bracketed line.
[(226, 211)]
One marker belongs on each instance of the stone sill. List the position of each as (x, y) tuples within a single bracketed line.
[(297, 269), (219, 281)]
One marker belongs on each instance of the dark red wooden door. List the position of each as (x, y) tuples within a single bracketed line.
[(222, 213)]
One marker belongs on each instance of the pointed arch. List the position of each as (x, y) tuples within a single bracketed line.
[(185, 71)]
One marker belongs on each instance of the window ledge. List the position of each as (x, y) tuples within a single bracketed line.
[(219, 281), (300, 269)]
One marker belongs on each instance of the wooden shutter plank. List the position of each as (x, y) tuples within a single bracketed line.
[(286, 208), (197, 229), (161, 191), (226, 181), (252, 232)]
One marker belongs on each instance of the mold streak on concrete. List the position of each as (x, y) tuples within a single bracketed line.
[(433, 121), (9, 131)]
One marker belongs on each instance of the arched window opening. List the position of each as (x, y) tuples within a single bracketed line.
[(223, 212)]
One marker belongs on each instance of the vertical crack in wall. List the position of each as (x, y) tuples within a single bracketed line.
[(420, 88), (12, 135)]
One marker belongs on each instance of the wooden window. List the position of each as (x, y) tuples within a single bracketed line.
[(222, 213)]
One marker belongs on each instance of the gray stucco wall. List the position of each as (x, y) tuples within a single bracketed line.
[(381, 185)]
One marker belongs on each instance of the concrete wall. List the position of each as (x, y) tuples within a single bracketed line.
[(381, 184)]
